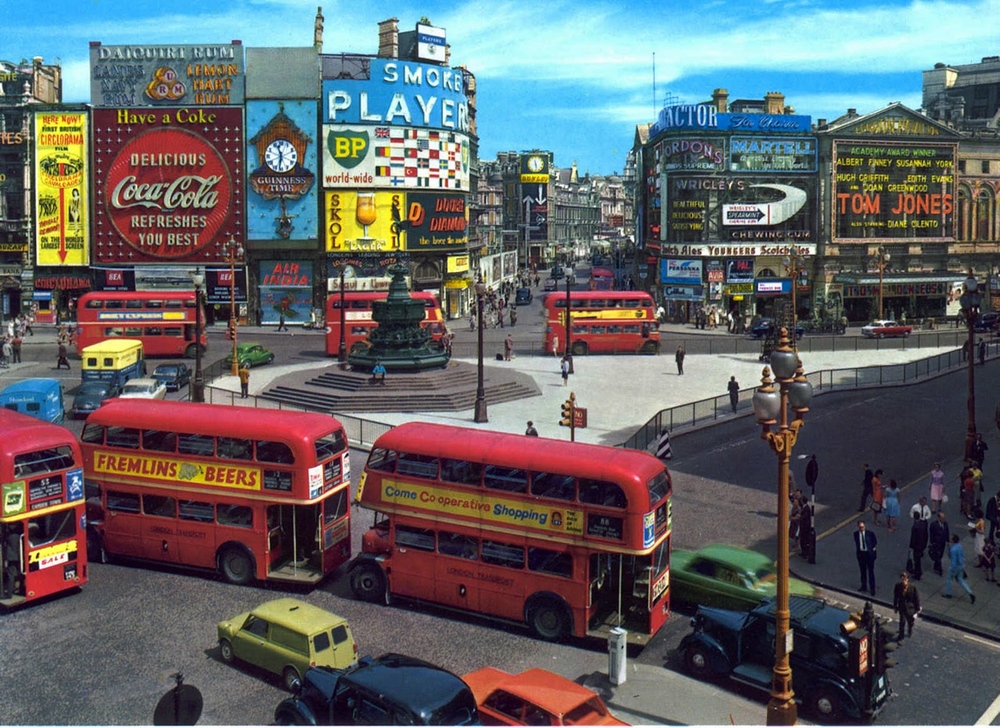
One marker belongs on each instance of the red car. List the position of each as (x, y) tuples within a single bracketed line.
[(535, 697), (884, 328)]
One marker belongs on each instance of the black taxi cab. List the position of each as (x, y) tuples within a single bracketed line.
[(839, 659)]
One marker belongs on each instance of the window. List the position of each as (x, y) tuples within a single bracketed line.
[(159, 440), (189, 510), (113, 303), (330, 445), (546, 561), (417, 538), (457, 544), (462, 472), (419, 466), (986, 166), (503, 702), (382, 460), (509, 480), (51, 528), (159, 505), (233, 515), (94, 304), (502, 554), (154, 331), (256, 626), (321, 642), (43, 461), (602, 493), (133, 303), (133, 331), (202, 445), (269, 451), (127, 437), (553, 485), (234, 448), (123, 502), (339, 634)]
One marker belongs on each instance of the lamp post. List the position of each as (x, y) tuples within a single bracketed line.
[(794, 264), (881, 261), (233, 252), (771, 408), (198, 384), (969, 302), (480, 413)]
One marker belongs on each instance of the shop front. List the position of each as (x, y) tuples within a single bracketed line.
[(914, 297)]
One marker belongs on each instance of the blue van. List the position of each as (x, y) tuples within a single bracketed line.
[(41, 398)]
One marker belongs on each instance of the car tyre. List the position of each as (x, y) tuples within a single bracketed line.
[(290, 679), (236, 566), (226, 650), (246, 363), (368, 582), (548, 619), (270, 358), (824, 705), (697, 662)]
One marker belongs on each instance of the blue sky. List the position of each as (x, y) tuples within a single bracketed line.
[(573, 77)]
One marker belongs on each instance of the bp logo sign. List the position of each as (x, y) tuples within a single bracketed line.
[(348, 148)]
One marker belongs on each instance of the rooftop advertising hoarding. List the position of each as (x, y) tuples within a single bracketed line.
[(168, 184), (393, 156), (61, 197), (893, 190), (703, 116), (393, 220), (399, 93), (166, 75)]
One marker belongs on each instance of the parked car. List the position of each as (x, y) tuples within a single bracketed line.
[(838, 661), (988, 321), (765, 329), (143, 388), (286, 637), (392, 689), (883, 328), (250, 355), (173, 376), (551, 284), (720, 575), (91, 395), (522, 297), (535, 697)]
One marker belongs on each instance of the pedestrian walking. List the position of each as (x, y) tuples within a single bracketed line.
[(993, 513), (891, 505), (564, 370), (866, 488), (531, 431), (979, 448), (956, 572), (244, 375), (555, 345), (878, 496), (812, 474), (906, 602), (508, 347), (663, 451), (63, 359), (937, 488), (938, 535), (734, 393), (8, 352), (679, 358), (982, 352), (865, 543), (968, 492), (807, 531), (918, 544), (499, 318), (513, 316), (977, 529)]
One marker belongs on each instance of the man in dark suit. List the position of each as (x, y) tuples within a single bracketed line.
[(864, 548)]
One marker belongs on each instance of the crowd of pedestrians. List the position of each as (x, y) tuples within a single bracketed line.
[(13, 338)]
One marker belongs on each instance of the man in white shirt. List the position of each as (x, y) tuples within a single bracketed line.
[(922, 508)]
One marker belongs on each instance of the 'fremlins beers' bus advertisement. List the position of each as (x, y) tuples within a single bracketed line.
[(166, 182)]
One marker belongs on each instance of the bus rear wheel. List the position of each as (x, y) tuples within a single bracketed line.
[(648, 347), (368, 583), (549, 620), (579, 348), (236, 565)]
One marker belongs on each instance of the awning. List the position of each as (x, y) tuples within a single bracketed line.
[(871, 279)]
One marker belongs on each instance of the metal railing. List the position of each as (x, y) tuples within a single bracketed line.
[(707, 411)]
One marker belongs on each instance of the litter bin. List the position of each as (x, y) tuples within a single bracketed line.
[(617, 655)]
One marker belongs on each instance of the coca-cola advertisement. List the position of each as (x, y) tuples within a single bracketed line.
[(167, 184)]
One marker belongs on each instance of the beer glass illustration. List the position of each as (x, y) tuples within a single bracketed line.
[(364, 212)]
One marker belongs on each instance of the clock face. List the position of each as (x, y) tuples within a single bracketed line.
[(535, 164), (280, 155)]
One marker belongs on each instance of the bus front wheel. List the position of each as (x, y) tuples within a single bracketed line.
[(236, 565), (549, 620), (579, 348), (368, 583)]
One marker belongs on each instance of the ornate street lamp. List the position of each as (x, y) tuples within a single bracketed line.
[(232, 253), (880, 261), (771, 407), (480, 412), (198, 384), (970, 300)]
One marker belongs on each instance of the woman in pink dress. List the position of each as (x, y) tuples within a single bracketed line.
[(937, 488)]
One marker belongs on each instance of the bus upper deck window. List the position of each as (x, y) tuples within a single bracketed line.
[(382, 460), (602, 493)]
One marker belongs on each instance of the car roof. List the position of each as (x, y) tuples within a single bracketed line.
[(548, 690), (421, 686), (741, 558), (145, 381), (297, 615)]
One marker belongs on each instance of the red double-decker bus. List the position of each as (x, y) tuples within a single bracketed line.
[(602, 322), (42, 521), (250, 493), (165, 321), (601, 279), (358, 317), (569, 538)]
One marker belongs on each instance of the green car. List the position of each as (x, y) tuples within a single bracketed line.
[(287, 637), (719, 575), (251, 355)]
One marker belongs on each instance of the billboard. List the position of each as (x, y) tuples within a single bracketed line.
[(168, 184), (61, 198), (285, 287), (701, 153), (890, 190), (393, 220), (399, 93), (384, 156), (681, 272), (166, 75), (772, 154)]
